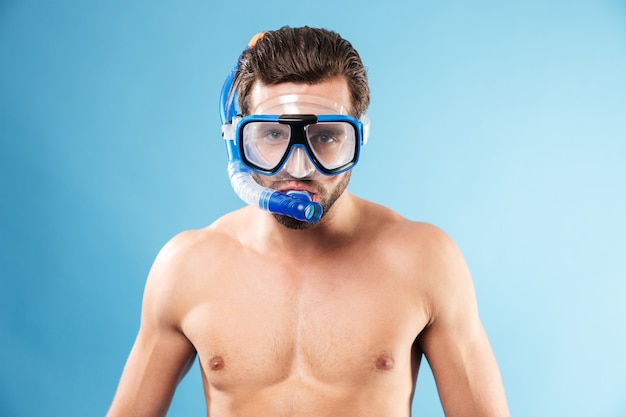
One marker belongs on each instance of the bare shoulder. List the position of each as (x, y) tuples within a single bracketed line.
[(429, 254), (185, 250), (190, 259), (415, 236)]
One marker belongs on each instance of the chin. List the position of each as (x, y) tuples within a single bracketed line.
[(291, 223)]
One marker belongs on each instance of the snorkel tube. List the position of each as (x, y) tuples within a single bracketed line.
[(294, 204)]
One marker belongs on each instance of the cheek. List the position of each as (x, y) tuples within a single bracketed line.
[(261, 179), (341, 181)]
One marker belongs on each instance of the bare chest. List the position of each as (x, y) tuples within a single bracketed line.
[(327, 325)]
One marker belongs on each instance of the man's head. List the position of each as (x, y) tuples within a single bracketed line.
[(321, 189), (300, 93), (302, 55)]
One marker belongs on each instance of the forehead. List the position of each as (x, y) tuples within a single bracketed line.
[(334, 90)]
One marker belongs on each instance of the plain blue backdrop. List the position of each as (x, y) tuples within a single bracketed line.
[(502, 122)]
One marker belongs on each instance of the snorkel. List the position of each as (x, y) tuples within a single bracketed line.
[(297, 205)]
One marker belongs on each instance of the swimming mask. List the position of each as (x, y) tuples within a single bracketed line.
[(298, 136)]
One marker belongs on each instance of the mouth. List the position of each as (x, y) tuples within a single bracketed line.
[(299, 190)]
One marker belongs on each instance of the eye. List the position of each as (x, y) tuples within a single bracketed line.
[(326, 137), (274, 134), (271, 135)]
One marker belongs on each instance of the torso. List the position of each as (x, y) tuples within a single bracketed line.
[(285, 337)]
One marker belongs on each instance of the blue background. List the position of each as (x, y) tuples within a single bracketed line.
[(502, 122)]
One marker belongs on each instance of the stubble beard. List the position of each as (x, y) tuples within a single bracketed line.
[(326, 198)]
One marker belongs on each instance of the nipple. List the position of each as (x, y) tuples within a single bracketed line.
[(384, 362), (216, 363)]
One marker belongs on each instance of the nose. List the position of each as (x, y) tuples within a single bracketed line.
[(299, 165)]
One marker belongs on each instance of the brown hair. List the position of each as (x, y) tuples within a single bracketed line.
[(302, 55)]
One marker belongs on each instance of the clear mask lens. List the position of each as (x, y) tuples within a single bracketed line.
[(265, 143), (331, 145)]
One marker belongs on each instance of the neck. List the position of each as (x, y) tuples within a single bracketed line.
[(336, 229)]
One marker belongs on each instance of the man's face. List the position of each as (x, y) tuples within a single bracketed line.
[(322, 189)]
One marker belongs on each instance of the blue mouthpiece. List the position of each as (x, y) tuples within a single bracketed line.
[(295, 204)]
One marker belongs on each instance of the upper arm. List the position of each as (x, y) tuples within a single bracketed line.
[(161, 354), (455, 343)]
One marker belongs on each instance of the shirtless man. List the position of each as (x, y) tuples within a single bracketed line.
[(322, 317)]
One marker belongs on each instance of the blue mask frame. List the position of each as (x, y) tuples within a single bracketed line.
[(297, 122)]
